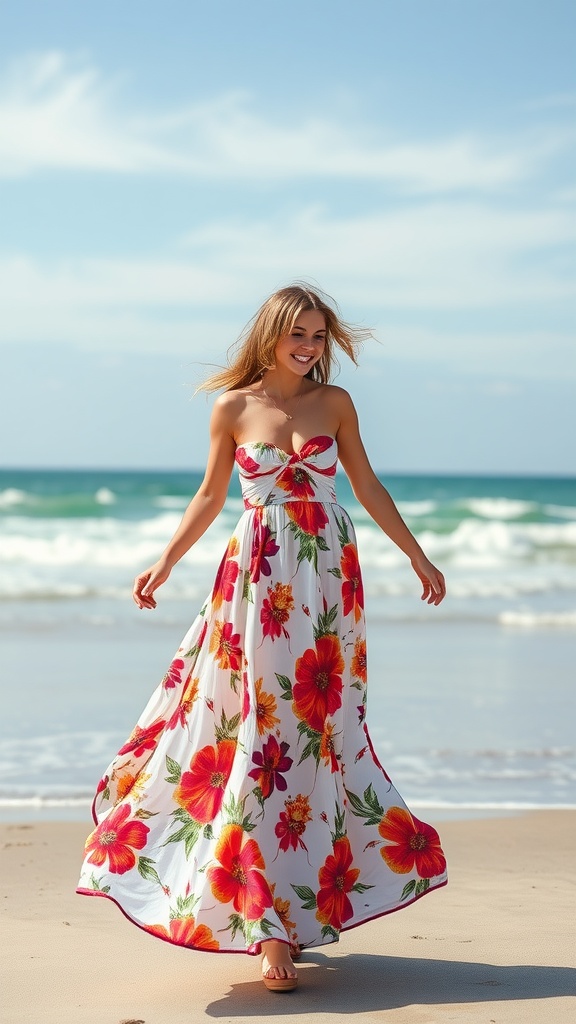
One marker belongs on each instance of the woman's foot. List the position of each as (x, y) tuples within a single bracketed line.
[(278, 971)]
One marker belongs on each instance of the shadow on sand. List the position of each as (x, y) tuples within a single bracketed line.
[(364, 982)]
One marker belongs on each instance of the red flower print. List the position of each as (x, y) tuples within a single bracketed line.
[(238, 879), (359, 666), (276, 610), (184, 708), (336, 878), (116, 838), (102, 785), (292, 822), (309, 516), (413, 844), (173, 675), (271, 761), (185, 932), (263, 547), (201, 790), (142, 740), (295, 480), (224, 644), (352, 589), (317, 691), (265, 707), (226, 576), (245, 462)]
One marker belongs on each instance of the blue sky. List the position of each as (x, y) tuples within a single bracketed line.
[(163, 167)]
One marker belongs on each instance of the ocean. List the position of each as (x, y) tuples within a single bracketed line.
[(471, 705)]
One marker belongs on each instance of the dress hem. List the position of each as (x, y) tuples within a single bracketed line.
[(256, 947)]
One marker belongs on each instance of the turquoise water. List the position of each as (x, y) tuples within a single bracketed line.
[(471, 704)]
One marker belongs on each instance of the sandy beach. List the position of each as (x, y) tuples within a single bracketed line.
[(494, 947)]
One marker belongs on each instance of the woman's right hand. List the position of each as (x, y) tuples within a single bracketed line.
[(147, 582)]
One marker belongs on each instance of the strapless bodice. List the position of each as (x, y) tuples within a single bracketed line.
[(271, 476)]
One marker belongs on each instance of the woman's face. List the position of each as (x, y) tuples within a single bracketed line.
[(303, 347)]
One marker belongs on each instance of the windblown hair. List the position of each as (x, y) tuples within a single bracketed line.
[(253, 353)]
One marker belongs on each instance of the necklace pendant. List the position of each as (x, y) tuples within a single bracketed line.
[(287, 416)]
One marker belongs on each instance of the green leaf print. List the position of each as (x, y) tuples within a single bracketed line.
[(246, 588), (361, 887), (236, 924), (147, 869), (208, 831), (141, 813), (228, 728), (189, 832), (343, 535), (329, 931), (422, 886), (408, 889), (184, 906), (285, 686), (174, 771), (233, 812), (339, 824), (368, 808), (326, 620), (305, 893), (308, 545), (336, 572), (96, 886)]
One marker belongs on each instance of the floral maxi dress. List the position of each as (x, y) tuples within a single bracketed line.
[(248, 803)]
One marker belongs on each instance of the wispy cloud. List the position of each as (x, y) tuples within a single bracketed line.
[(59, 114), (415, 262)]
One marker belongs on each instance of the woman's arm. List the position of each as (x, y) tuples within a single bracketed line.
[(202, 510), (378, 503)]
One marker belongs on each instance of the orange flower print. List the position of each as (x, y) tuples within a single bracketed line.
[(309, 516), (336, 878), (239, 879), (185, 932), (116, 838), (413, 844), (142, 740), (184, 708), (276, 609), (201, 790), (282, 908), (296, 481), (271, 762), (292, 823), (359, 665), (226, 576), (327, 751), (317, 691), (352, 588), (265, 708), (224, 644), (173, 675)]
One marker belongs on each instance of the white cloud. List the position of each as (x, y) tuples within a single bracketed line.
[(56, 115)]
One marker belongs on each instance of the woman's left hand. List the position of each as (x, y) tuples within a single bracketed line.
[(433, 583)]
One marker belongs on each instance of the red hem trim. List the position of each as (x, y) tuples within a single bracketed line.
[(256, 948)]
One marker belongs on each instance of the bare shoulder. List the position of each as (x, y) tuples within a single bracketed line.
[(228, 407), (339, 401)]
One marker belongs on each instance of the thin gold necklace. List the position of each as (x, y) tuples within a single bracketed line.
[(284, 413)]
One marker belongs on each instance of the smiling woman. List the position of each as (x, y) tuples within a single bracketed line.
[(268, 814)]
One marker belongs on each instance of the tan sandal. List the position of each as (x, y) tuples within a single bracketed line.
[(280, 984)]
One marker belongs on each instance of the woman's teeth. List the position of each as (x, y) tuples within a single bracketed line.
[(302, 359)]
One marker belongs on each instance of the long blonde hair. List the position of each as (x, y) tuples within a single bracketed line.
[(253, 353)]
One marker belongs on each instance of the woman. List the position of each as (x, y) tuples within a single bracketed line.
[(248, 810)]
